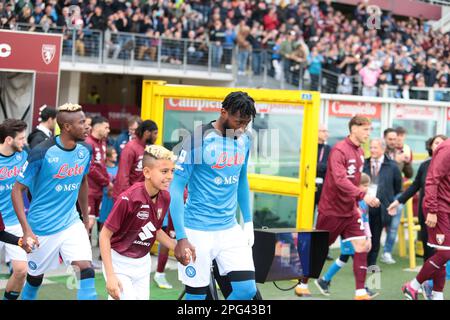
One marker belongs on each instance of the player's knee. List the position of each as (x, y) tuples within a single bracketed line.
[(244, 290), (361, 246), (20, 272), (83, 265), (35, 281)]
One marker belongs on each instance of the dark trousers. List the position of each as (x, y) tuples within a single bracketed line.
[(423, 234), (376, 227)]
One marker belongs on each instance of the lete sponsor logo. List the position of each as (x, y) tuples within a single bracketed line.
[(48, 53), (6, 173), (350, 109), (226, 160), (65, 171)]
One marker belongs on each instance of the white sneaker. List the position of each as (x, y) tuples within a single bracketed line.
[(386, 257), (161, 281)]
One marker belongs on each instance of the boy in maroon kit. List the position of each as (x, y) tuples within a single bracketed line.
[(130, 164), (338, 209), (436, 207), (98, 177), (133, 226)]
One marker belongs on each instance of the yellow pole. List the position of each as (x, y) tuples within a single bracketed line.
[(411, 235)]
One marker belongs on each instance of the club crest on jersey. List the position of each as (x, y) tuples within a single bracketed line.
[(226, 160), (159, 213), (66, 171), (81, 154), (143, 215), (440, 238), (18, 157), (190, 271)]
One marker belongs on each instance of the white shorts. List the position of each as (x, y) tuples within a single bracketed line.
[(13, 252), (134, 274), (72, 243), (228, 247)]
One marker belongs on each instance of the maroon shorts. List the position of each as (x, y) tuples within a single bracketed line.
[(439, 236), (94, 205), (348, 228)]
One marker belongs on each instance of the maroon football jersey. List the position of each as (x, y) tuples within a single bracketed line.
[(134, 220)]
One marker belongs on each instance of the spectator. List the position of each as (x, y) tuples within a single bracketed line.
[(345, 85), (217, 38), (315, 60), (369, 75), (244, 48)]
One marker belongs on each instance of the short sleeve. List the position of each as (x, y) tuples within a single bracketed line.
[(118, 213), (31, 167), (186, 159)]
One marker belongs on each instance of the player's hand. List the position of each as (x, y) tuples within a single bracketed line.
[(184, 251), (249, 233), (28, 234), (27, 244), (372, 201), (431, 220), (392, 209), (114, 287)]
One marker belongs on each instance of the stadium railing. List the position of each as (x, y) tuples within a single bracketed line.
[(418, 93), (132, 49)]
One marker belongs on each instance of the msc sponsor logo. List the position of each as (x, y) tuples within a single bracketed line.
[(226, 181), (4, 187), (67, 187)]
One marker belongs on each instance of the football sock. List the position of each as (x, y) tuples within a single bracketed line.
[(333, 269), (360, 269), (11, 295), (242, 290), (87, 285)]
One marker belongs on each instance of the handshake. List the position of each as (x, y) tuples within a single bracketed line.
[(28, 245)]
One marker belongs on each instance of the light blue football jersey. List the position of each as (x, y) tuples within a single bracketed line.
[(10, 167), (53, 175), (212, 164)]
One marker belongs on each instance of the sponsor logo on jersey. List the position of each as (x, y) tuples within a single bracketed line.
[(143, 215), (139, 166), (125, 198), (4, 187), (190, 271), (53, 160), (6, 173), (226, 160), (65, 171), (145, 206), (147, 231), (67, 187), (226, 181), (351, 170), (182, 156)]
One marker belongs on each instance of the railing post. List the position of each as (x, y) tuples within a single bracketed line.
[(132, 49), (160, 42), (100, 47), (209, 57), (185, 55), (74, 44), (300, 78)]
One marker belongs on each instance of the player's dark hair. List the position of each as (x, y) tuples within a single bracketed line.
[(400, 130), (47, 113), (11, 128), (109, 151), (147, 125), (98, 120), (240, 101), (387, 131), (430, 142)]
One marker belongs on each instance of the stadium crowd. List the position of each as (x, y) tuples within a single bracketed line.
[(310, 35)]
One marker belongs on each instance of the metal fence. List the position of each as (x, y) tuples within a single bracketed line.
[(418, 93), (131, 49)]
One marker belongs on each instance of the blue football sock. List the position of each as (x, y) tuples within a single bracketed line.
[(333, 269), (242, 290), (190, 296), (29, 292), (87, 289)]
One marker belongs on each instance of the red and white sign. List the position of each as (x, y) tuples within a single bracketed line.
[(38, 53), (196, 105), (349, 109), (416, 112)]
